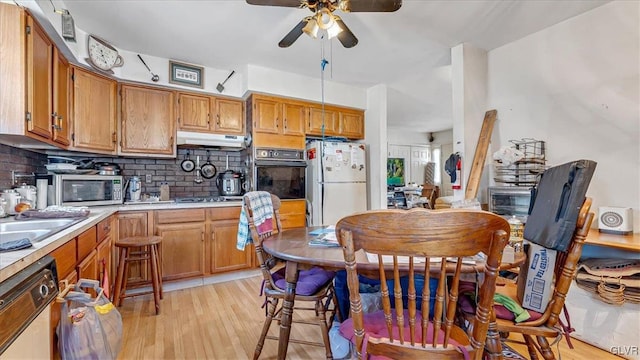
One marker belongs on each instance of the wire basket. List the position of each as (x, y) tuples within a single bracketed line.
[(525, 171)]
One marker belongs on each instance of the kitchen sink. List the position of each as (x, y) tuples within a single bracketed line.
[(32, 235), (34, 230)]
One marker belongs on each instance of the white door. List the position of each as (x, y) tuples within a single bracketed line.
[(419, 159), (342, 199)]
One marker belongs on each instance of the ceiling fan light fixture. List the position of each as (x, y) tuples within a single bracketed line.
[(311, 28), (325, 19), (333, 31)]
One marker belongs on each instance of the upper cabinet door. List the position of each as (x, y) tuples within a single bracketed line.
[(39, 81), (94, 112), (193, 113), (147, 121), (295, 116), (61, 103), (318, 118), (266, 114), (229, 116), (352, 124)]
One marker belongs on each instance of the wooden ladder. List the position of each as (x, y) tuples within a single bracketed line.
[(481, 154)]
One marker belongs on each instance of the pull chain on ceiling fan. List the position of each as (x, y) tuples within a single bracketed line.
[(324, 20)]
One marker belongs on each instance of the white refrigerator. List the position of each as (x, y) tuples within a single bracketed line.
[(336, 181)]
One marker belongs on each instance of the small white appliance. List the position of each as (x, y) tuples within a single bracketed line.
[(615, 220), (336, 181)]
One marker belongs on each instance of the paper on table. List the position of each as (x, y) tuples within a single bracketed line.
[(324, 230), (327, 239)]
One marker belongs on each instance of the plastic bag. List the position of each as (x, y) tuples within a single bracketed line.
[(371, 298), (89, 328)]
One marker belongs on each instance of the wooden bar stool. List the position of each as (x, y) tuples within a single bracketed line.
[(148, 250)]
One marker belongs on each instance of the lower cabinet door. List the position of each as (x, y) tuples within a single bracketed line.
[(88, 268), (182, 250), (224, 255)]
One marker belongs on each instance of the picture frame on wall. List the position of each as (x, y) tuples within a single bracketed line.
[(186, 74), (395, 172)]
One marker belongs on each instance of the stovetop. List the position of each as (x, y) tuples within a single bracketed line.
[(208, 199)]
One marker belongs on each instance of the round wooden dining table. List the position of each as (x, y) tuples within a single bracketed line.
[(292, 246)]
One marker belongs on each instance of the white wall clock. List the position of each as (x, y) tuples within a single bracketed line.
[(102, 55)]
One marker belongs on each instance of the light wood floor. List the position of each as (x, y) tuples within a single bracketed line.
[(224, 320)]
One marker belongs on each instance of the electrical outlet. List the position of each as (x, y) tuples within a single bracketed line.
[(147, 178)]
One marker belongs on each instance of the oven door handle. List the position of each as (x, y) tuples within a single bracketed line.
[(279, 163)]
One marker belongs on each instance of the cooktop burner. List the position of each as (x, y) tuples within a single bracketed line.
[(208, 199)]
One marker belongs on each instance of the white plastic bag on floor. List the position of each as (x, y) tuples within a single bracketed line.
[(89, 328), (340, 346)]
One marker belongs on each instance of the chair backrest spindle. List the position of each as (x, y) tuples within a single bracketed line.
[(429, 237)]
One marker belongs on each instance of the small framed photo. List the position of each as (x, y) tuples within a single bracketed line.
[(186, 74)]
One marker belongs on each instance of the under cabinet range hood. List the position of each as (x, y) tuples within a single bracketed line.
[(231, 142)]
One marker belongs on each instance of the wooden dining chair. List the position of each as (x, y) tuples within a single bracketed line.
[(431, 192), (535, 333), (314, 288), (421, 242)]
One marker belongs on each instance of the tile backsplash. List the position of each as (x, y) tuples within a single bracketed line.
[(23, 163), (161, 170), (181, 183)]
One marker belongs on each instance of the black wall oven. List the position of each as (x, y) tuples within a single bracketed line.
[(280, 172)]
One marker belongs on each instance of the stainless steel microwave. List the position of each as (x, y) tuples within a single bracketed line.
[(510, 200), (85, 190)]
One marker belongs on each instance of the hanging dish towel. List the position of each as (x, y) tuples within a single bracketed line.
[(262, 210)]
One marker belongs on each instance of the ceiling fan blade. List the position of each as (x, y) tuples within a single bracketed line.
[(286, 3), (346, 37), (369, 5), (293, 35)]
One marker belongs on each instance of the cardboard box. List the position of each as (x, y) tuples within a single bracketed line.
[(538, 287)]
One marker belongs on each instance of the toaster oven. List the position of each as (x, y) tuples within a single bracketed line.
[(510, 200)]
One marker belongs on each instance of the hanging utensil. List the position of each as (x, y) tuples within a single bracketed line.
[(187, 164), (198, 179), (220, 86), (208, 170), (154, 77)]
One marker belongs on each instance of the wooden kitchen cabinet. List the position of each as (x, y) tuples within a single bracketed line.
[(61, 99), (133, 223), (229, 116), (88, 267), (193, 112), (182, 251), (35, 81), (292, 214), (94, 112), (39, 80), (66, 258), (319, 116), (202, 113), (105, 231), (223, 227), (351, 124), (342, 122), (277, 122), (86, 242), (147, 126)]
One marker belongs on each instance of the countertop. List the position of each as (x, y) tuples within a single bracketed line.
[(14, 261), (620, 242)]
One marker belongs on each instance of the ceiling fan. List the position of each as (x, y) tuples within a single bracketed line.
[(323, 18)]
